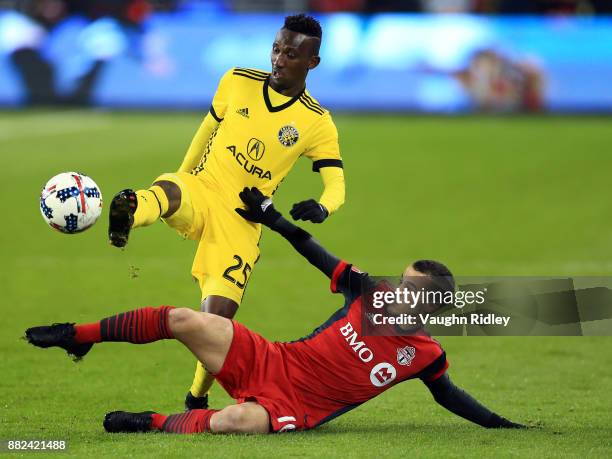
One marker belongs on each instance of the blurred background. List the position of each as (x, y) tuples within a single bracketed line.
[(441, 56)]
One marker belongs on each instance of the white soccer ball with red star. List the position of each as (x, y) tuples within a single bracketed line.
[(71, 202)]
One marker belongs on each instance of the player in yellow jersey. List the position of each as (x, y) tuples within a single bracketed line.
[(258, 126)]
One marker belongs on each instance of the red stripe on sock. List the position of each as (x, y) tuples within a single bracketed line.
[(130, 329), (194, 421), (143, 329), (139, 326), (169, 424), (142, 332), (88, 333), (125, 328), (107, 323), (183, 423), (116, 327)]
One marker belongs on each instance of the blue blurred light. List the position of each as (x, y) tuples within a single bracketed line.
[(381, 62)]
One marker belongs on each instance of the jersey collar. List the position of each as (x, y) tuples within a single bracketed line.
[(278, 108)]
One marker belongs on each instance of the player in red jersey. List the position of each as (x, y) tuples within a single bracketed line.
[(272, 381)]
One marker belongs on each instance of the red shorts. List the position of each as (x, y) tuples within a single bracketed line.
[(256, 370)]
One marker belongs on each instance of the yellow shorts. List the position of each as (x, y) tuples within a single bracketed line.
[(228, 244)]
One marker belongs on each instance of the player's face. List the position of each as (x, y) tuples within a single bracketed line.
[(292, 57), (415, 280), (412, 280)]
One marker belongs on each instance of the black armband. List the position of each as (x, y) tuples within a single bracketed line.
[(319, 164)]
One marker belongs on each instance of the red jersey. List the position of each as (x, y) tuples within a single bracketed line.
[(305, 383), (337, 363)]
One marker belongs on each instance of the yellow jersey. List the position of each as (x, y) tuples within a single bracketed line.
[(261, 134)]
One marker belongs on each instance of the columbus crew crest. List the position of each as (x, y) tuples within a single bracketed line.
[(405, 355), (288, 135)]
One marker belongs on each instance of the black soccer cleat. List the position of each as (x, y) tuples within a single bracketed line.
[(195, 403), (121, 217), (58, 335), (122, 421)]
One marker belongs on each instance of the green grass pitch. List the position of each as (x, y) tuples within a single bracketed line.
[(488, 196)]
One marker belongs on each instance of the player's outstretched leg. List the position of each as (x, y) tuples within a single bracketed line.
[(131, 209), (195, 421), (244, 418), (207, 336), (139, 326)]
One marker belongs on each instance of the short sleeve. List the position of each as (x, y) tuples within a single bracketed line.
[(435, 369), (348, 280), (218, 107), (323, 148)]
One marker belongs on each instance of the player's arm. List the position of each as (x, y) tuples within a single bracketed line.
[(198, 144), (325, 156), (463, 404), (259, 209), (209, 124)]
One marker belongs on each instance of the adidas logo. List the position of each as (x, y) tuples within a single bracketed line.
[(243, 111)]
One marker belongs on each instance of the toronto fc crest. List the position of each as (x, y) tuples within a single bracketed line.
[(405, 355)]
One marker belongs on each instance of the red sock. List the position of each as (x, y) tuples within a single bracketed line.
[(194, 421), (88, 333), (139, 326), (158, 421)]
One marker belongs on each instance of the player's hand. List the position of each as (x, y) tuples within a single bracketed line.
[(503, 423), (309, 210), (514, 425), (259, 208)]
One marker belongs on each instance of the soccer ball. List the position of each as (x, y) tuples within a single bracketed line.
[(70, 202)]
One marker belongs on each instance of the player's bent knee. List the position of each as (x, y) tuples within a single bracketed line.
[(184, 320)]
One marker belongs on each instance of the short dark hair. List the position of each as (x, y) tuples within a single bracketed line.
[(442, 277), (309, 26)]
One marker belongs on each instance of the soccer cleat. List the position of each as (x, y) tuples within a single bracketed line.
[(121, 217), (58, 335), (195, 403), (122, 421)]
